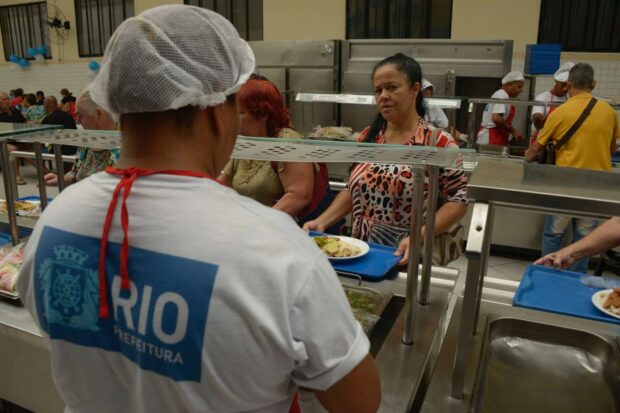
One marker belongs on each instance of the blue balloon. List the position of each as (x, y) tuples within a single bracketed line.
[(32, 51), (94, 66), (24, 63), (13, 58), (41, 50)]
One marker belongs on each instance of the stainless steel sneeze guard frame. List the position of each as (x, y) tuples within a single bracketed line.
[(359, 99)]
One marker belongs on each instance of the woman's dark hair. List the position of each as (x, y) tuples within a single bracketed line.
[(410, 68), (30, 99)]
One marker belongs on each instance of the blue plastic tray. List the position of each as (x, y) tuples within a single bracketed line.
[(558, 291), (373, 266), (32, 198)]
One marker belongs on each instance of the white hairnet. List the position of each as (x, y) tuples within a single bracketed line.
[(169, 57), (514, 76), (426, 84), (561, 75)]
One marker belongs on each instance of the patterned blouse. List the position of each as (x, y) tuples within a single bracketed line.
[(91, 161), (382, 194)]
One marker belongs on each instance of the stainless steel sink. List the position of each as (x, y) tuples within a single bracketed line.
[(533, 367), (529, 361)]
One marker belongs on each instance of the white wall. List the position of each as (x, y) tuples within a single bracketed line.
[(303, 19), (324, 19)]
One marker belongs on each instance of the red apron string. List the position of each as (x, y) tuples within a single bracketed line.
[(129, 176)]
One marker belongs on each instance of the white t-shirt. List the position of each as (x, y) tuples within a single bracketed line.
[(546, 97), (436, 117), (487, 115), (231, 306)]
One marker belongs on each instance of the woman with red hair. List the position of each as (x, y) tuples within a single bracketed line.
[(287, 186)]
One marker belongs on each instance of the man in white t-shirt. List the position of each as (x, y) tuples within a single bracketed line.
[(557, 94), (164, 291), (496, 126), (434, 115)]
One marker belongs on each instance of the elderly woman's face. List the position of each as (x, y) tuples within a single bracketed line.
[(394, 96), (251, 126)]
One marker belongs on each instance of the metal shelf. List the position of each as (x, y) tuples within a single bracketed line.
[(360, 99)]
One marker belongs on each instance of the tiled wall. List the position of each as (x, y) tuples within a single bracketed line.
[(606, 74), (48, 77)]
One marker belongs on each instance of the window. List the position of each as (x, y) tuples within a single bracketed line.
[(96, 21), (399, 19), (24, 26), (581, 26), (245, 15)]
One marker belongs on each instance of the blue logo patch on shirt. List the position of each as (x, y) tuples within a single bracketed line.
[(159, 323)]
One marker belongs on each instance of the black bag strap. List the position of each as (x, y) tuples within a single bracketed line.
[(576, 125)]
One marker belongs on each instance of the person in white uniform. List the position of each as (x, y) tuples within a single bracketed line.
[(164, 291), (556, 94), (434, 115), (496, 126)]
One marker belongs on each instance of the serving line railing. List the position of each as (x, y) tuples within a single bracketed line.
[(423, 160), (472, 131), (521, 185), (11, 132)]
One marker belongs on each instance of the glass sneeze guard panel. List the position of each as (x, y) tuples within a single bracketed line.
[(94, 139), (11, 129), (307, 150), (288, 150)]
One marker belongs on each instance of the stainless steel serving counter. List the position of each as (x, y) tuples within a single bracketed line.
[(524, 186), (25, 371)]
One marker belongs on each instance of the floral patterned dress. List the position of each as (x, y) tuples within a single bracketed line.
[(90, 161), (382, 194)]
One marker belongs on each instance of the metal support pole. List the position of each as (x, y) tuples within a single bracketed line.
[(8, 177), (413, 265), (60, 167), (429, 232), (471, 125), (478, 245), (450, 91), (38, 156)]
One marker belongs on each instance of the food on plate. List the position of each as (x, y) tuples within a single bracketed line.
[(19, 206), (612, 301), (335, 247), (11, 259), (335, 133)]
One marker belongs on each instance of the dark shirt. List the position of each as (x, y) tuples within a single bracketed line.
[(59, 118), (40, 102), (14, 117), (67, 99)]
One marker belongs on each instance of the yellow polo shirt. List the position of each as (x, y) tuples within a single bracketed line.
[(590, 147)]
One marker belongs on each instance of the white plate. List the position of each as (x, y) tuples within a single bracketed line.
[(353, 241), (599, 298)]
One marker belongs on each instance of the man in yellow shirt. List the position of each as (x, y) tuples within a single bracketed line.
[(590, 147)]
